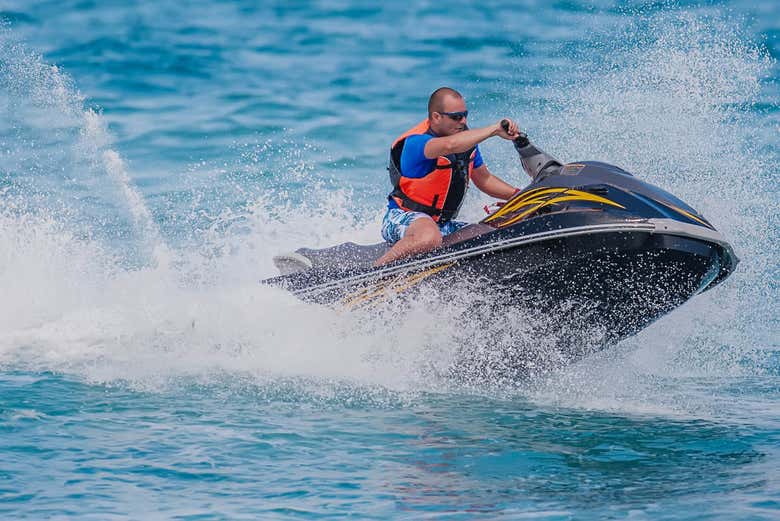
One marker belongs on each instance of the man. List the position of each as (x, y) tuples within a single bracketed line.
[(430, 167)]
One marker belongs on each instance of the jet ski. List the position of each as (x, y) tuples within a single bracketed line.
[(582, 236)]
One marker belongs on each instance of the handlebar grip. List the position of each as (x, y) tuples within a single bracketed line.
[(522, 138)]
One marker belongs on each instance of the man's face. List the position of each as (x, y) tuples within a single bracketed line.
[(445, 125)]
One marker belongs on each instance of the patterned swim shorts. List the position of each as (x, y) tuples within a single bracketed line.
[(396, 222)]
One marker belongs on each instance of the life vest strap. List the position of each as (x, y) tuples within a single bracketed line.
[(413, 206)]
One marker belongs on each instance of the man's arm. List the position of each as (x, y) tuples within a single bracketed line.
[(462, 141), (492, 185)]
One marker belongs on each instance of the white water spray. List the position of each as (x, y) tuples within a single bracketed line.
[(67, 144)]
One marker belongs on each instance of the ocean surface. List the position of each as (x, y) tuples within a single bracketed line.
[(154, 156)]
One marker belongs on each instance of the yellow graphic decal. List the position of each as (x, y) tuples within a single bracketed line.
[(520, 201), (394, 286), (689, 215), (541, 197)]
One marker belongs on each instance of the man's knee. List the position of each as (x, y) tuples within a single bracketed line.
[(425, 233)]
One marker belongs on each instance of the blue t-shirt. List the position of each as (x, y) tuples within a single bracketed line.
[(415, 164)]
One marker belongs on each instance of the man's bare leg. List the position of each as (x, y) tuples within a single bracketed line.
[(421, 236)]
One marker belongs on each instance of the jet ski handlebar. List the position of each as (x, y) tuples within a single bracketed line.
[(536, 162)]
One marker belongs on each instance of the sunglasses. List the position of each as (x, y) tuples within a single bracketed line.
[(456, 116)]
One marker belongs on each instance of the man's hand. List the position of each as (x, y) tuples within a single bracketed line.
[(510, 133)]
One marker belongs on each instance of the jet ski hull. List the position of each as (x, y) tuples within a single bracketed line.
[(588, 246), (616, 263)]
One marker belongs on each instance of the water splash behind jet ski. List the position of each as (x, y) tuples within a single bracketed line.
[(582, 236)]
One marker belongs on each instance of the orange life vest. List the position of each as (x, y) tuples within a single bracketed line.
[(441, 191)]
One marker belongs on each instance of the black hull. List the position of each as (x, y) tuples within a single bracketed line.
[(633, 277)]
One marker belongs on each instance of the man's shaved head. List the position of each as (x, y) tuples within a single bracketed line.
[(436, 101)]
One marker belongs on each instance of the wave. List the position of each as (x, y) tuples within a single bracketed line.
[(94, 288)]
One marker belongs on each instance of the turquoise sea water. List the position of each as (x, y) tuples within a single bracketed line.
[(154, 156)]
